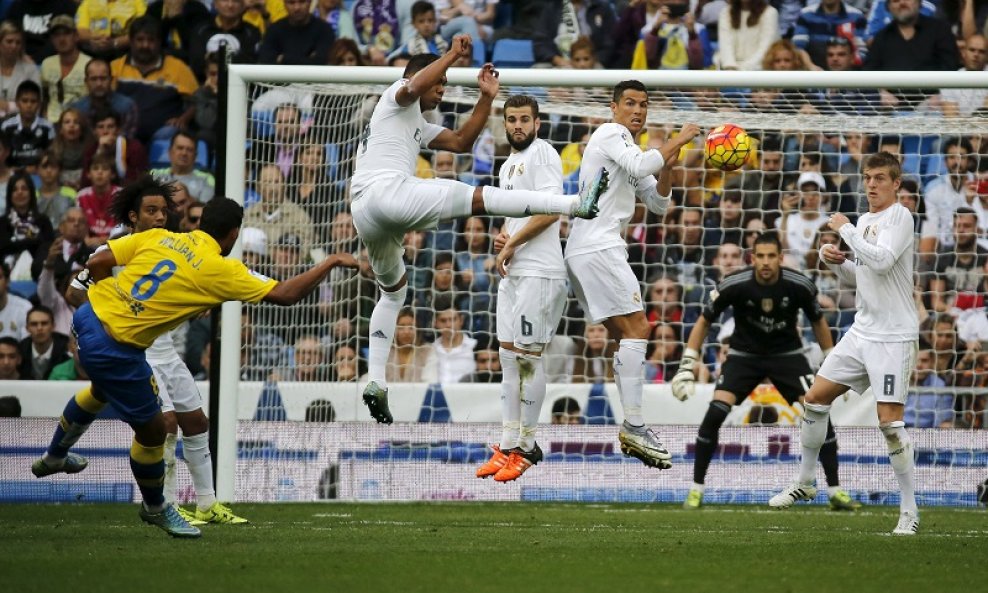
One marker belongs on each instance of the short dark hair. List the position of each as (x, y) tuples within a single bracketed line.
[(10, 407), (965, 211), (129, 198), (884, 159), (418, 62), (627, 85), (443, 257), (28, 86), (29, 181), (582, 43), (947, 144), (41, 309), (220, 216), (769, 238), (516, 101), (103, 160), (145, 24), (96, 62), (422, 7), (565, 405), (102, 113), (171, 143), (10, 341)]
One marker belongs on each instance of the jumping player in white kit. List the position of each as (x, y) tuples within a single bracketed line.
[(532, 294), (388, 200), (597, 256), (880, 348)]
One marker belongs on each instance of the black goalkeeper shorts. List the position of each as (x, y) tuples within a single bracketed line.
[(791, 374)]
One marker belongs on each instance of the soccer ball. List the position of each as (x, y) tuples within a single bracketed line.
[(727, 147)]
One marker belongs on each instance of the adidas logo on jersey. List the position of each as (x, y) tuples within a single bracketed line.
[(379, 334), (528, 210)]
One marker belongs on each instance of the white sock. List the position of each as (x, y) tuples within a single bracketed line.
[(628, 363), (518, 202), (697, 487), (901, 456), (812, 434), (832, 490), (532, 395), (196, 450), (383, 320), (510, 403), (171, 478)]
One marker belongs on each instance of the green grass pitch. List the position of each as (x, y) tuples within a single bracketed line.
[(503, 548)]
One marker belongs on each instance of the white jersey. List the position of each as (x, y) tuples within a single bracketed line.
[(537, 168), (613, 147), (163, 347), (391, 141), (883, 271)]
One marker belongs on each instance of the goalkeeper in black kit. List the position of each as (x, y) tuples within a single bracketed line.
[(766, 298)]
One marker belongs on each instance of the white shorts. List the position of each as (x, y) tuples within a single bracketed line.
[(176, 388), (604, 284), (529, 309), (386, 210), (884, 366)]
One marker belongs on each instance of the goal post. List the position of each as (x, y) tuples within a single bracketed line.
[(333, 100)]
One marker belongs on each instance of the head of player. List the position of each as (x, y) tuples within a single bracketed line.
[(521, 121), (882, 178), (767, 258), (432, 97), (144, 204), (629, 105)]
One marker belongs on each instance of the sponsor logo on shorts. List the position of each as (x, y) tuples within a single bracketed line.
[(888, 387)]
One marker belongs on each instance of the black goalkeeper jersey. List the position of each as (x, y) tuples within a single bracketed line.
[(765, 317)]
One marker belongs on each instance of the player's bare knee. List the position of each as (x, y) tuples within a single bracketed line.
[(192, 423), (890, 413), (171, 422), (151, 433)]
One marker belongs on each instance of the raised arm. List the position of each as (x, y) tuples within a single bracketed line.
[(462, 140), (433, 74)]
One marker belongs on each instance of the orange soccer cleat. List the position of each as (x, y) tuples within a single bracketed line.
[(494, 464), (518, 463)]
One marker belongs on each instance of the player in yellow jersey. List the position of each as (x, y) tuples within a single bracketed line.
[(167, 278)]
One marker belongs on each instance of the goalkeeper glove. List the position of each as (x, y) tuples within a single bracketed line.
[(684, 383)]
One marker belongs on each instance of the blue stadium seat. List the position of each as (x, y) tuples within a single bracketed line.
[(479, 52), (263, 122), (158, 153), (202, 155), (513, 53), (23, 288)]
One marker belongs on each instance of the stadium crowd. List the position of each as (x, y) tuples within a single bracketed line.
[(98, 92)]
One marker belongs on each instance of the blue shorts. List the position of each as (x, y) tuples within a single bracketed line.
[(119, 373)]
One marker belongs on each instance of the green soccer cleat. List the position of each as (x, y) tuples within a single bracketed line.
[(842, 501), (694, 500), (72, 464), (219, 513), (189, 517), (376, 400), (590, 197), (170, 522)]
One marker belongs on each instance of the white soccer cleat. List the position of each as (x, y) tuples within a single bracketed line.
[(644, 445), (791, 495), (908, 523)]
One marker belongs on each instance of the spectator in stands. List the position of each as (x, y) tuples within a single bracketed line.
[(347, 365), (180, 201), (96, 198), (566, 411), (260, 352), (595, 353), (101, 96), (71, 369), (425, 38), (297, 39), (162, 85), (745, 31), (682, 252), (54, 199), (309, 361), (729, 259), (453, 17), (665, 300), (36, 18), (676, 41), (5, 170), (488, 364), (129, 158), (54, 267), (942, 331), (180, 20), (957, 280), (762, 185), (840, 58), (10, 358), (855, 145), (636, 19), (964, 102), (282, 147), (946, 193), (29, 133), (345, 52), (229, 27), (928, 410), (665, 348), (912, 42), (726, 224), (182, 161), (801, 218), (453, 347), (377, 28), (830, 19), (15, 67), (13, 308), (410, 361), (337, 16), (104, 30), (783, 56), (475, 267), (275, 214), (63, 75), (834, 299), (23, 229), (43, 349), (206, 102), (193, 214), (310, 187)]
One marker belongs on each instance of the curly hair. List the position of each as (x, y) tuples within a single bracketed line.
[(129, 198)]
